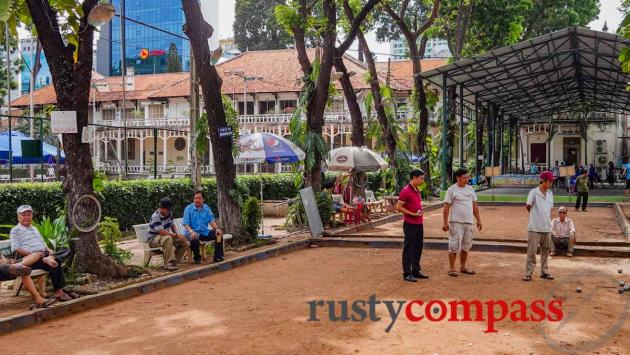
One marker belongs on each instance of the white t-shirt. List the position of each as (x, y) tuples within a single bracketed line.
[(540, 213), (461, 200)]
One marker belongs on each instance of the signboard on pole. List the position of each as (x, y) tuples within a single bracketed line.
[(63, 121), (225, 132)]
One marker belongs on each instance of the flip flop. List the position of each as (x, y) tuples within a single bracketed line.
[(63, 298), (527, 278), (47, 303), (469, 272), (452, 273), (73, 295)]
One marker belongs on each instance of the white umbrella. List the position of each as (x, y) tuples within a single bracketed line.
[(266, 147), (355, 159)]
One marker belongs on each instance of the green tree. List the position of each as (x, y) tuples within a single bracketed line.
[(255, 26), (15, 67), (67, 40), (624, 30), (174, 62)]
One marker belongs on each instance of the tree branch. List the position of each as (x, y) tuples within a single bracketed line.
[(300, 41), (403, 8), (86, 40), (358, 21), (429, 23), (401, 23)]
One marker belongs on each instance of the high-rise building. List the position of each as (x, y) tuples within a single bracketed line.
[(28, 48), (166, 15), (436, 48)]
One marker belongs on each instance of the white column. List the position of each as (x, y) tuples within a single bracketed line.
[(142, 151), (188, 146), (332, 137), (146, 112), (164, 154), (98, 150), (106, 149), (119, 149), (211, 158)]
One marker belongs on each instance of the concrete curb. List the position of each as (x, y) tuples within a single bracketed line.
[(521, 248), (10, 324), (621, 218)]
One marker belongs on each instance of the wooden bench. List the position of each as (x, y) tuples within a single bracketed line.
[(39, 276), (142, 234), (372, 203)]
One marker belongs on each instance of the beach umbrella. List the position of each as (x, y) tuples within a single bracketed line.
[(49, 152), (267, 148), (355, 159)]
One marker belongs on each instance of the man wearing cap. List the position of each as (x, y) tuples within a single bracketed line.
[(562, 233), (163, 234), (27, 243), (539, 205)]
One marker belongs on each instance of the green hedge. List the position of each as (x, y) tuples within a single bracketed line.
[(133, 201)]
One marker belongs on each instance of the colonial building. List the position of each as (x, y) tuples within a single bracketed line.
[(263, 85)]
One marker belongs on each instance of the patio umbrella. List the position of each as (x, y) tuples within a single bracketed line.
[(49, 152), (355, 159), (267, 148)]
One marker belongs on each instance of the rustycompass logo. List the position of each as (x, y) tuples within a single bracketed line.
[(491, 312)]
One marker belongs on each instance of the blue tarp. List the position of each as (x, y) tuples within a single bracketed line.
[(49, 151)]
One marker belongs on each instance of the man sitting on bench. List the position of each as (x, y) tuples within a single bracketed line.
[(163, 233), (9, 270), (26, 240), (197, 217)]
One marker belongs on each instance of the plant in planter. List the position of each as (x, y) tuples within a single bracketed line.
[(54, 232)]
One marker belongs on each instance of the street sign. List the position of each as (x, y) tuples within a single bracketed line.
[(63, 121), (225, 132)]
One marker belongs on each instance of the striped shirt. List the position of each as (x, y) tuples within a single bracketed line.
[(27, 238), (158, 223)]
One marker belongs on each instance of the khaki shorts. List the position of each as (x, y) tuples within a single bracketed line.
[(460, 237)]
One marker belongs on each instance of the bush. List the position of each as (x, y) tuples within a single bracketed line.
[(133, 201), (251, 216), (109, 231)]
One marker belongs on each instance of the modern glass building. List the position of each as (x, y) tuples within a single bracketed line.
[(164, 14), (28, 48)]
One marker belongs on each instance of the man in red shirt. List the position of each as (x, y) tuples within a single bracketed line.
[(410, 204)]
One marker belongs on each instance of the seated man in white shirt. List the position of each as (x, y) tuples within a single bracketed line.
[(562, 233)]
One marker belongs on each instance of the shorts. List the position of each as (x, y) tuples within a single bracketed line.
[(627, 184), (460, 237)]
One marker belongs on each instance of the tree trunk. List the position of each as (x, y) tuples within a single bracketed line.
[(358, 137), (198, 31), (72, 87), (479, 141)]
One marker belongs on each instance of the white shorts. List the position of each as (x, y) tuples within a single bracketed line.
[(460, 237)]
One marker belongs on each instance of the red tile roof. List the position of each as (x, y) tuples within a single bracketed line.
[(280, 71)]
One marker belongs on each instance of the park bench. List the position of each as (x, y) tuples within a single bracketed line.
[(142, 234), (39, 276), (372, 203)]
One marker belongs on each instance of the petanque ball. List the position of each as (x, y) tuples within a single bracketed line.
[(622, 284), (578, 290), (626, 288), (620, 271), (620, 290)]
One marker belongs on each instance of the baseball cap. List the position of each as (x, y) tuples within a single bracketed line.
[(562, 209), (24, 208), (546, 176)]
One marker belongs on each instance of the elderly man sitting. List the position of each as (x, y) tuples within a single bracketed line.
[(28, 244), (562, 233), (163, 233), (10, 270)]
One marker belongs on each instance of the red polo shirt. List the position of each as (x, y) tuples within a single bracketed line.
[(413, 202)]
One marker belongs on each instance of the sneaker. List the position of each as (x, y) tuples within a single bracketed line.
[(170, 267), (410, 278)]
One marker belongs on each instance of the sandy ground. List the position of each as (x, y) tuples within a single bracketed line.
[(262, 308), (599, 224)]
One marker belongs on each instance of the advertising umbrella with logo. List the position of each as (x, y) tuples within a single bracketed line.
[(267, 148), (355, 159), (47, 154)]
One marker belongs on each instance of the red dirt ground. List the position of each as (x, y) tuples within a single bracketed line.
[(262, 308), (599, 224)]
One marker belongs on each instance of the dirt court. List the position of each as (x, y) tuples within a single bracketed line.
[(599, 224), (262, 308)]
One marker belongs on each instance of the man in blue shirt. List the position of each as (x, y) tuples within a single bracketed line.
[(197, 217), (626, 173)]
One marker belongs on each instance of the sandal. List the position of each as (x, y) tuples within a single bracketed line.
[(73, 295), (47, 303), (469, 272), (452, 273), (546, 276), (63, 298), (527, 278)]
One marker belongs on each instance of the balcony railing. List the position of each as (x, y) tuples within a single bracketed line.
[(244, 120)]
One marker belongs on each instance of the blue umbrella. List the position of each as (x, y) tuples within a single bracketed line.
[(49, 151)]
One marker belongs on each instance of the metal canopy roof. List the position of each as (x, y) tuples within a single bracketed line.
[(568, 71)]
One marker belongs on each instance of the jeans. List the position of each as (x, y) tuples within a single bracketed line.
[(196, 243), (412, 248)]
